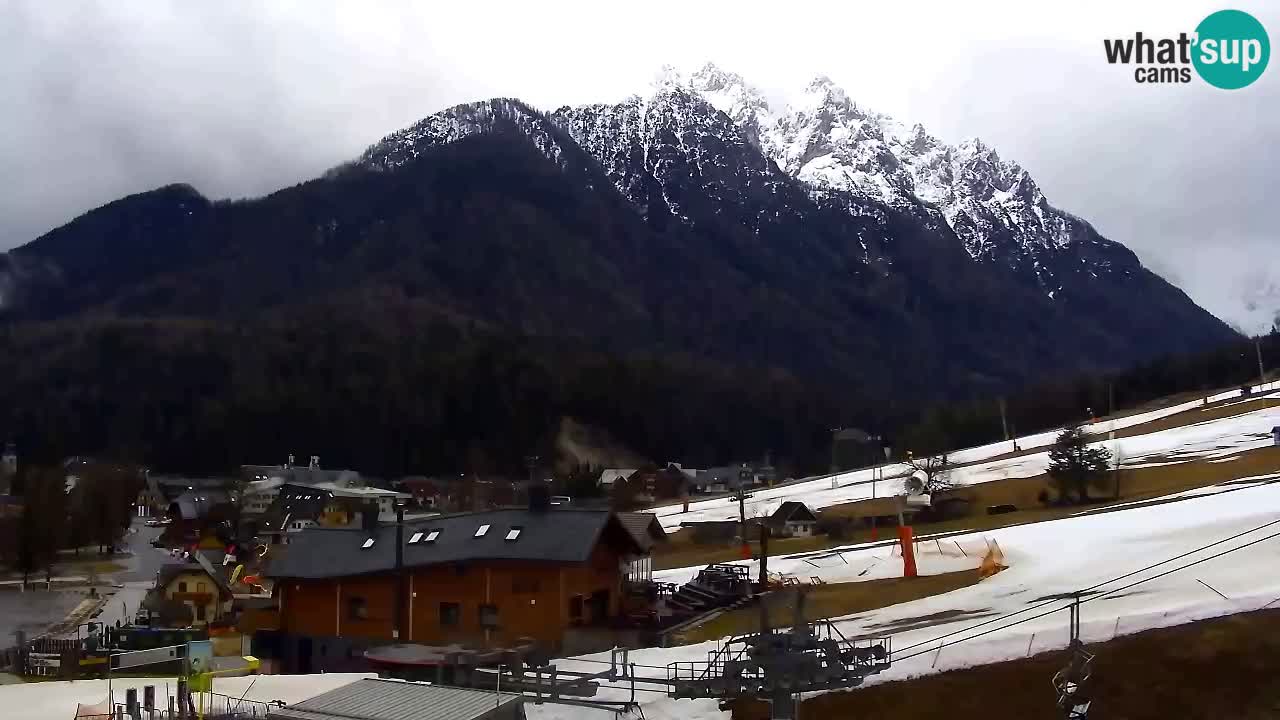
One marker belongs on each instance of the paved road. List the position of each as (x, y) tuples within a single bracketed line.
[(143, 561)]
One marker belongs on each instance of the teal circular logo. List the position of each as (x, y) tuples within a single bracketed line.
[(1232, 49)]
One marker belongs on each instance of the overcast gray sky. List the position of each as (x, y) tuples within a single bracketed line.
[(241, 98)]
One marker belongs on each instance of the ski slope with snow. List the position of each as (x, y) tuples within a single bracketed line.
[(1211, 439), (1046, 560)]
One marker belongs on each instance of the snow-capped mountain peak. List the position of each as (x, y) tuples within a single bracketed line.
[(712, 128), (825, 140), (823, 92), (727, 92)]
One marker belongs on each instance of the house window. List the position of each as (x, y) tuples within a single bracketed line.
[(482, 530), (488, 616), (367, 544), (450, 613), (182, 587), (514, 533), (431, 536), (416, 537), (200, 587), (357, 609), (200, 612), (575, 608)]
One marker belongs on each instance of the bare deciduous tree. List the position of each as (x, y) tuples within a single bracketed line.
[(933, 470)]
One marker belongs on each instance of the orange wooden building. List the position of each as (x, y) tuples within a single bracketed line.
[(481, 579)]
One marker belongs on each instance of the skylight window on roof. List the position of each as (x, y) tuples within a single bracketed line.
[(367, 544), (415, 538), (514, 533), (431, 536), (480, 531)]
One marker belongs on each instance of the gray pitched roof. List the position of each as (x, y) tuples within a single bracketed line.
[(378, 699), (793, 510), (169, 571), (195, 504), (294, 503), (644, 527), (560, 535), (613, 475)]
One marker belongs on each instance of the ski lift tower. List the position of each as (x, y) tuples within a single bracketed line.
[(776, 665)]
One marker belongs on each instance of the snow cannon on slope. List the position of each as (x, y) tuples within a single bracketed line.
[(917, 495)]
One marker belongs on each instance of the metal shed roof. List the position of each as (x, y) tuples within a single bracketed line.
[(379, 699)]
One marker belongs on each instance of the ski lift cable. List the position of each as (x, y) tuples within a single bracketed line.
[(1082, 601), (1099, 596), (1055, 601), (932, 644)]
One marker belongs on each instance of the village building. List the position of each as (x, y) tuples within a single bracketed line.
[(428, 493), (301, 507), (723, 479), (192, 593), (853, 448), (610, 476), (482, 579), (159, 492), (648, 485), (793, 519), (647, 532), (259, 495), (309, 474)]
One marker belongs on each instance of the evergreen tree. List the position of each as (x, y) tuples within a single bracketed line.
[(1074, 466)]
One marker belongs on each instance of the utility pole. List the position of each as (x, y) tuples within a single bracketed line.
[(401, 588), (835, 434), (1111, 436), (765, 532), (1004, 424), (1111, 401), (1262, 372)]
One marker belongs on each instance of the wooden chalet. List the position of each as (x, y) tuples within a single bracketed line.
[(481, 579)]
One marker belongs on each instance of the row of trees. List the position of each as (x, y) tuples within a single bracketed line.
[(1066, 402), (408, 396), (66, 511)]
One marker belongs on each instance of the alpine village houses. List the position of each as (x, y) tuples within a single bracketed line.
[(489, 579)]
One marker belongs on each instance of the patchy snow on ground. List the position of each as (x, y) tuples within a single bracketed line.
[(1046, 560), (860, 561), (1213, 439)]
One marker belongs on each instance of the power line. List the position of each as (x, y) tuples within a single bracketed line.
[(1089, 599), (936, 645), (1093, 587)]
